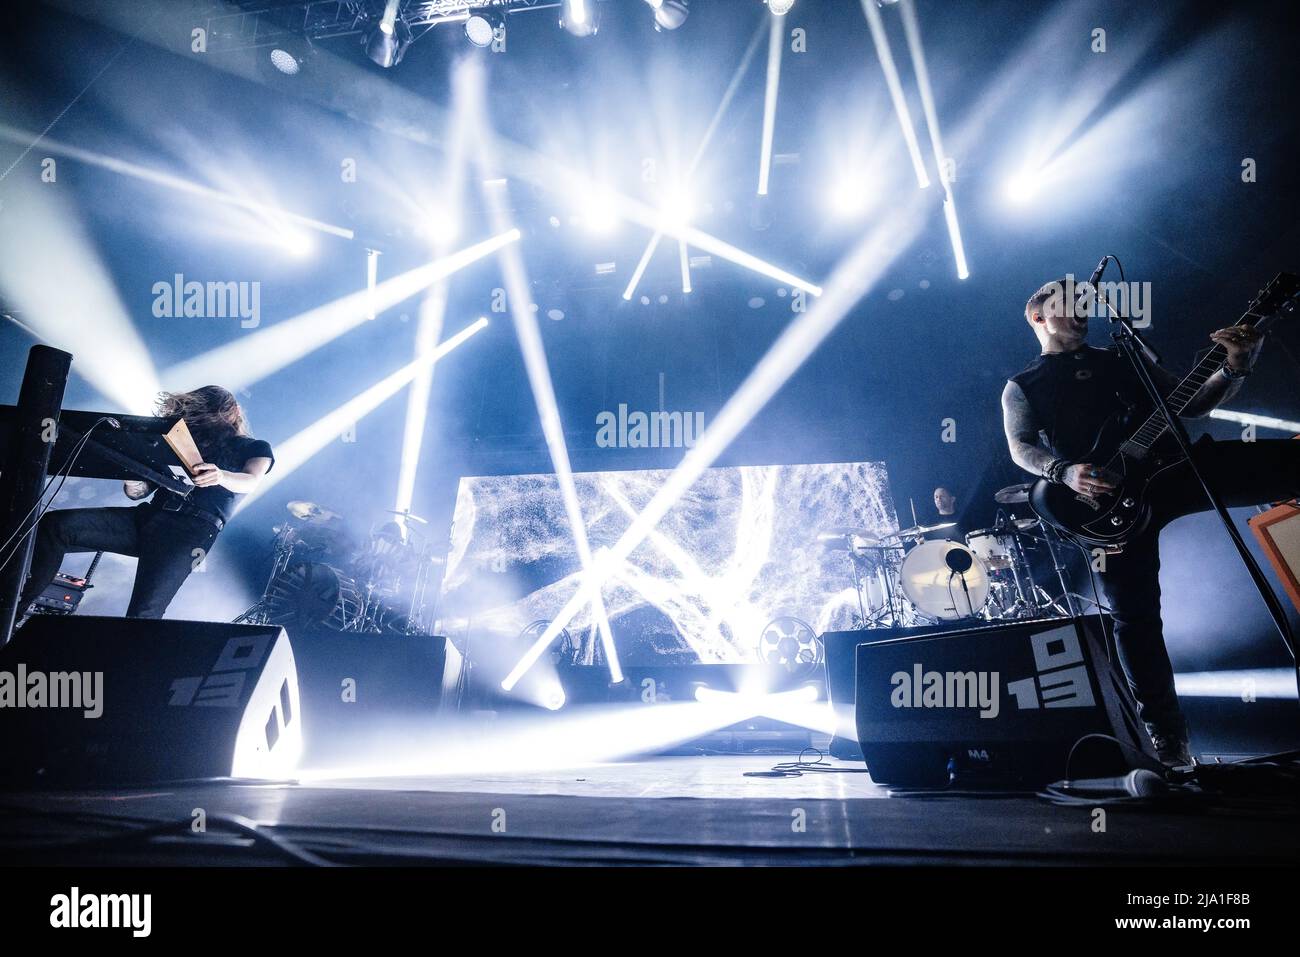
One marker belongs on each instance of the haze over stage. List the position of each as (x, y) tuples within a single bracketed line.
[(611, 354)]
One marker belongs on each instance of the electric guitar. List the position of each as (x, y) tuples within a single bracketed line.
[(1110, 519)]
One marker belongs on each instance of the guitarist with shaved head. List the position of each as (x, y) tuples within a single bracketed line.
[(1053, 412)]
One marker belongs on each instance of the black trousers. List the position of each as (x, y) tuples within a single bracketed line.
[(169, 547), (1243, 473)]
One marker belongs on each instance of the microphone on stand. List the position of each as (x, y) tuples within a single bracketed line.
[(1151, 355), (1092, 286), (960, 562)]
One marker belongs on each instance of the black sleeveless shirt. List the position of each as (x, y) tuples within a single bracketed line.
[(1072, 394)]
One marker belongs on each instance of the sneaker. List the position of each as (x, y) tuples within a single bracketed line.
[(1173, 751)]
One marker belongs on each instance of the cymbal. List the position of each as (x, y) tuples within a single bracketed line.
[(310, 511), (1013, 494), (917, 531), (407, 513)]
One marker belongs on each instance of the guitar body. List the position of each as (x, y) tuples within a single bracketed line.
[(1104, 521)]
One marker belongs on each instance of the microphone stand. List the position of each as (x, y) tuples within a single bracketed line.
[(1131, 344)]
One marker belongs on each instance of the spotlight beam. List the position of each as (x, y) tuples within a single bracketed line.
[(888, 67), (250, 358), (728, 95), (54, 278), (1260, 421), (372, 278), (297, 450), (159, 178), (641, 266), (912, 29), (566, 740), (433, 310), (469, 93), (686, 267), (853, 278), (775, 45)]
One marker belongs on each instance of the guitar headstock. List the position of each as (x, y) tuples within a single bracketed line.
[(1278, 300)]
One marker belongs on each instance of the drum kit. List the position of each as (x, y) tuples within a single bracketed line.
[(321, 577), (909, 577)]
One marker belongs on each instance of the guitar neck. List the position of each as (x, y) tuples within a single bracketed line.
[(1181, 397)]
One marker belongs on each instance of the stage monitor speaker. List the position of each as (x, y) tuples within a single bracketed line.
[(364, 693), (86, 700), (842, 674), (1000, 706)]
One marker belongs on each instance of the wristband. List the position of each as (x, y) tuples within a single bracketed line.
[(1053, 471), (1230, 374)]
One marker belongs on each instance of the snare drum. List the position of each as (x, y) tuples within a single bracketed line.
[(936, 590)]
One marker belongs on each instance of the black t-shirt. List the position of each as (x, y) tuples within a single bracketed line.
[(231, 455), (956, 534), (1072, 394)]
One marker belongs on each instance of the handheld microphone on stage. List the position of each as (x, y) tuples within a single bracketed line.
[(1137, 783)]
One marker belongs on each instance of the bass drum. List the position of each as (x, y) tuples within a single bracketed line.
[(932, 578), (313, 594)]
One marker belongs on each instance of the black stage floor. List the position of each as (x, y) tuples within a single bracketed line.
[(665, 810)]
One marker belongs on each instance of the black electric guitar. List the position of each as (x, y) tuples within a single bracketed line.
[(1138, 456)]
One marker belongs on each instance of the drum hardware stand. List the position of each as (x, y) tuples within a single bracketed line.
[(960, 562), (1023, 602), (256, 614), (1131, 345), (1067, 596), (893, 599), (857, 588), (1038, 598)]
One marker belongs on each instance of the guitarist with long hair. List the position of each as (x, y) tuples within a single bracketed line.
[(1053, 412), (170, 535)]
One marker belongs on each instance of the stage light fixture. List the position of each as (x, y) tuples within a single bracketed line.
[(779, 8), (285, 62), (480, 29), (580, 17), (386, 44), (669, 14)]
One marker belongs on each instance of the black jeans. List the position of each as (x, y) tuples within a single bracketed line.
[(1243, 473), (169, 547)]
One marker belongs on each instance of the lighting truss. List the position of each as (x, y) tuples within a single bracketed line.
[(261, 23)]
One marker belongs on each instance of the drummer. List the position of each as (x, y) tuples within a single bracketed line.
[(945, 507)]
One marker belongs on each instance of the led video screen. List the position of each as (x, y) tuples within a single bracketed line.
[(737, 551)]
